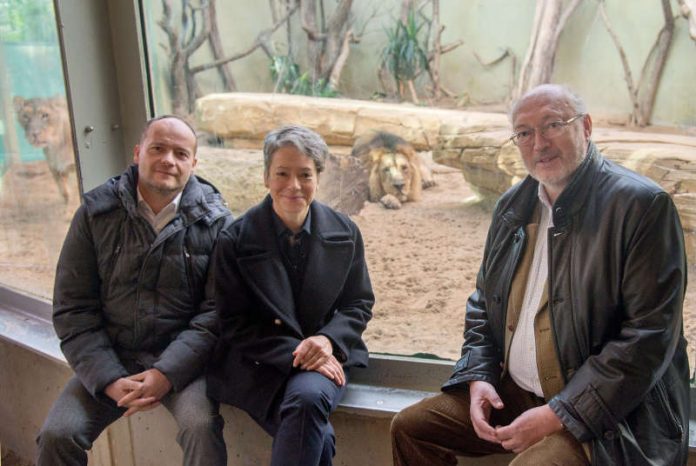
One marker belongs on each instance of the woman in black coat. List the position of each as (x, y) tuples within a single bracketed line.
[(294, 296)]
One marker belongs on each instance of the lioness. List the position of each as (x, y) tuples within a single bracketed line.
[(396, 173), (47, 125)]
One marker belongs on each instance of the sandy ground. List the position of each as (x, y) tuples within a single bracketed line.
[(423, 258), (423, 261)]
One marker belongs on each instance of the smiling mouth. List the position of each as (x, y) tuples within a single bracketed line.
[(546, 160)]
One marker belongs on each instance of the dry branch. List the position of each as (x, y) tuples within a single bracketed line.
[(217, 50), (260, 41), (550, 18), (628, 76), (643, 93)]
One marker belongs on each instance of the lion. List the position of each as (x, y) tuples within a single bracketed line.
[(396, 173), (47, 125)]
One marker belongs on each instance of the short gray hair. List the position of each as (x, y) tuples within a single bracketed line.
[(576, 102), (303, 139)]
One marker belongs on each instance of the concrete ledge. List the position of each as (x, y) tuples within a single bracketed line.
[(37, 335), (31, 329), (368, 400), (30, 354)]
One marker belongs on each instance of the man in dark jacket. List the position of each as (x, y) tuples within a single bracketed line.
[(573, 346), (132, 305)]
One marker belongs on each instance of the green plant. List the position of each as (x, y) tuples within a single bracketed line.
[(405, 55), (287, 78)]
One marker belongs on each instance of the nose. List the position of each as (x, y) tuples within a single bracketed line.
[(540, 140), (294, 182), (168, 157)]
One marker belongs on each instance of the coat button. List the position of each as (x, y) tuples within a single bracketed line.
[(610, 435), (278, 322), (257, 363)]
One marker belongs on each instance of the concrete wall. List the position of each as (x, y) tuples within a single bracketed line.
[(30, 382), (587, 58)]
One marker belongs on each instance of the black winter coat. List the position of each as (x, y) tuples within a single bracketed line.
[(254, 299), (127, 298), (617, 278)]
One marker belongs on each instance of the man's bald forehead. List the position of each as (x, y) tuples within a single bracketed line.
[(554, 92), (152, 121)]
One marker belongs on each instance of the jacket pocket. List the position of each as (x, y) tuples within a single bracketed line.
[(650, 434), (669, 421)]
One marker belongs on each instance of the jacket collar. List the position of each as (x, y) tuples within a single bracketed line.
[(328, 262), (570, 201), (574, 196), (200, 200)]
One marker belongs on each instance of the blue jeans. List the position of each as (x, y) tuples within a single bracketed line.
[(302, 433), (77, 418)]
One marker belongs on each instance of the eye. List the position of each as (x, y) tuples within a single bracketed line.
[(555, 125), (307, 176), (524, 134), (182, 154)]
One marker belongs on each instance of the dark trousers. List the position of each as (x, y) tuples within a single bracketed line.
[(302, 433), (435, 430)]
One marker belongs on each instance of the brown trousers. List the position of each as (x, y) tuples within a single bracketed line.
[(435, 430)]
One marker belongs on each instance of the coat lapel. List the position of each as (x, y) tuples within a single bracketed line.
[(328, 263), (260, 263)]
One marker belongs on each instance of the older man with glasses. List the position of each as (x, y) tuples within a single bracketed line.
[(573, 348)]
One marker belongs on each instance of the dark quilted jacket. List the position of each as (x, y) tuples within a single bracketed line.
[(127, 298)]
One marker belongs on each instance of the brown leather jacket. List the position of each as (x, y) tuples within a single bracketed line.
[(617, 277)]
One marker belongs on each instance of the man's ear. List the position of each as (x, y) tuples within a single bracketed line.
[(136, 154), (587, 126), (195, 161), (265, 179)]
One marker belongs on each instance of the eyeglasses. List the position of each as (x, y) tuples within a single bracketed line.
[(548, 131)]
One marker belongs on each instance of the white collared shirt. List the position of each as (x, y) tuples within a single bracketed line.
[(161, 219), (523, 362)]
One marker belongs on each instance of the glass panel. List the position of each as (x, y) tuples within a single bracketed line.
[(38, 185), (424, 257)]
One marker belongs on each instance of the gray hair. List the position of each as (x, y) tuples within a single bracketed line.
[(303, 139), (560, 90)]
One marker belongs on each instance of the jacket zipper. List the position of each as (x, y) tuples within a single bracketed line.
[(189, 270)]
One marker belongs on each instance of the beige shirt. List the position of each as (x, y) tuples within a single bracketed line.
[(523, 358), (160, 220)]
